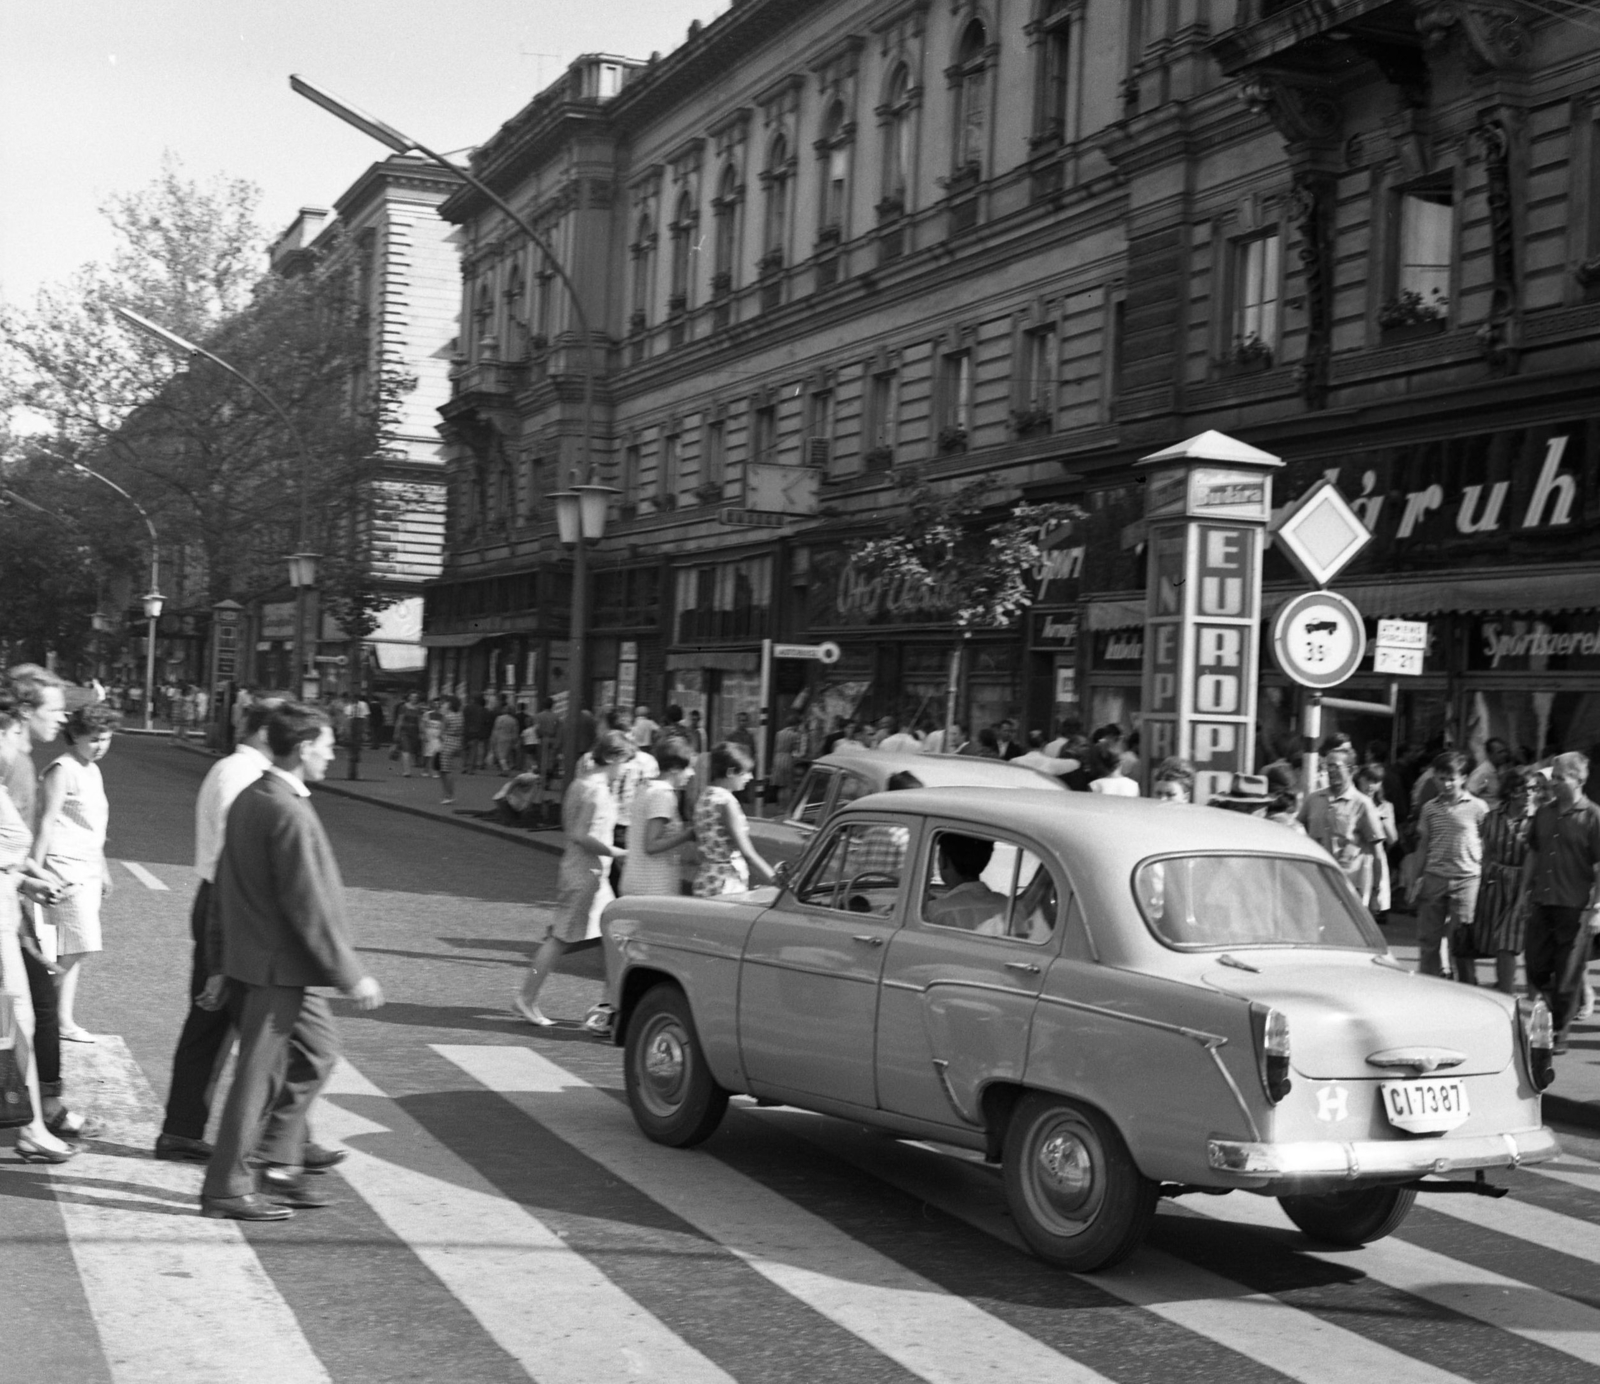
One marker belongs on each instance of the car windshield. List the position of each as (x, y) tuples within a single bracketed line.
[(1194, 902)]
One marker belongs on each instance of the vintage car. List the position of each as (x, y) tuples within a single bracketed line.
[(854, 772), (1114, 1000)]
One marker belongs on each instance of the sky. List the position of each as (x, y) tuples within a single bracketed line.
[(92, 92)]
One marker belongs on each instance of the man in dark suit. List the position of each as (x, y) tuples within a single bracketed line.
[(280, 905)]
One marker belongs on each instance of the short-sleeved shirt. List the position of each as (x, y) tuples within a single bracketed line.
[(1450, 835), (1346, 825), (971, 905), (1564, 846)]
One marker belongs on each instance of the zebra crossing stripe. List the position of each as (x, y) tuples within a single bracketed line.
[(144, 876), (543, 1303), (1506, 1303), (173, 1296), (1524, 1221), (934, 1334), (1258, 1325), (1589, 1181)]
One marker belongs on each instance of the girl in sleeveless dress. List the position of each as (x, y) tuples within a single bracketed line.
[(71, 845), (656, 830), (726, 855)]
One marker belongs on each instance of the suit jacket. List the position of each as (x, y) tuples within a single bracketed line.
[(279, 901)]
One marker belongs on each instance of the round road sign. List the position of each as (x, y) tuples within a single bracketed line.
[(1319, 639), (827, 652)]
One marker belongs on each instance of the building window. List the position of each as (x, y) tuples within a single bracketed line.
[(879, 424), (630, 475), (682, 249), (897, 144), (642, 248), (775, 224), (1055, 53), (835, 171), (544, 291), (819, 429), (516, 315), (667, 472), (482, 315), (731, 600), (725, 232), (764, 434), (713, 462), (955, 400), (1426, 233), (1256, 270), (1036, 394), (970, 78)]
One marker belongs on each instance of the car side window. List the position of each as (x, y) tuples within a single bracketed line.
[(812, 799), (989, 886), (858, 869)]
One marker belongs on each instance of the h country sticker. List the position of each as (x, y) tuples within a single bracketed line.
[(1333, 1104)]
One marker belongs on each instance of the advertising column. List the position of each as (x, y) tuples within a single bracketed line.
[(1207, 505)]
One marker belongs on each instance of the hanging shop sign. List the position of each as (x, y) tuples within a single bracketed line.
[(1118, 650), (1554, 642), (1209, 500), (1400, 647), (1054, 630), (1319, 639)]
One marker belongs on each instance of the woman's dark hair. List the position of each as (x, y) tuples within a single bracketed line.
[(902, 780), (730, 758), (291, 724), (1108, 754), (1516, 778), (89, 720), (988, 739), (1369, 779), (17, 703), (673, 753), (611, 746)]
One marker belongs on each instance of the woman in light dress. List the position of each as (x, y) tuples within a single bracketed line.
[(589, 818), (656, 829), (71, 845), (726, 855), (432, 738), (21, 878), (1113, 779)]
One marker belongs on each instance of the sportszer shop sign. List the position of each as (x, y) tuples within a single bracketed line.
[(1493, 498)]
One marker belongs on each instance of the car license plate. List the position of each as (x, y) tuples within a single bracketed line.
[(1430, 1106)]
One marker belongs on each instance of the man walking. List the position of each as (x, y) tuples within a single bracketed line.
[(1345, 823), (1562, 877), (280, 903), (1451, 848)]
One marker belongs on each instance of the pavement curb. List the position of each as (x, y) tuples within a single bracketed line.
[(1580, 1114), (482, 828)]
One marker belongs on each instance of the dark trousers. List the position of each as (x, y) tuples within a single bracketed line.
[(287, 1050), (202, 1044), (1553, 932), (46, 1023)]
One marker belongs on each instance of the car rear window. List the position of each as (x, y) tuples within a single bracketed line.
[(1193, 902)]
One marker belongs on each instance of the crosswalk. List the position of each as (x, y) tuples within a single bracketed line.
[(499, 1217)]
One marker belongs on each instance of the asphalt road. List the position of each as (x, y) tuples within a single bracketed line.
[(501, 1219)]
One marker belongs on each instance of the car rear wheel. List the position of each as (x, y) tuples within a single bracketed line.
[(1350, 1218), (670, 1088), (1073, 1188)]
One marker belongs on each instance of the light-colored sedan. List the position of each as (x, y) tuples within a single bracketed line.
[(1114, 1000)]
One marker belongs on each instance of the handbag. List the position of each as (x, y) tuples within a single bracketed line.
[(16, 1108)]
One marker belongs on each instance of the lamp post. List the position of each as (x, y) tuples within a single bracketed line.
[(154, 600), (404, 144), (188, 348), (580, 521), (302, 577)]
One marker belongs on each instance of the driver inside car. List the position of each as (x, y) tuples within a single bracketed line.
[(967, 901)]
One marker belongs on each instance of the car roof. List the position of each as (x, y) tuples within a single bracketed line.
[(1115, 832), (943, 770)]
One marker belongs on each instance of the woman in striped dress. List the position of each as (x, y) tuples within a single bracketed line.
[(1500, 922), (71, 845), (452, 742)]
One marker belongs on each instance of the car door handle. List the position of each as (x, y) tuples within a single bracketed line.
[(1027, 967), (868, 939)]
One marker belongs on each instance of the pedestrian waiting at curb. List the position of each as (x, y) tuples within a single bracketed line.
[(1562, 879), (1500, 922), (1450, 847)]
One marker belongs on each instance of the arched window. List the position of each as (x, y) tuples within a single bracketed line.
[(725, 244), (776, 222), (1055, 52), (682, 244), (835, 169), (643, 248), (970, 79), (897, 139)]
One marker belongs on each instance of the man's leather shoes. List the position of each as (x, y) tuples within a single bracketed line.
[(290, 1187), (317, 1159), (174, 1148), (249, 1207)]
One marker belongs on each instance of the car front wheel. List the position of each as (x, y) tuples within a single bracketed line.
[(1072, 1186), (1350, 1218), (670, 1088)]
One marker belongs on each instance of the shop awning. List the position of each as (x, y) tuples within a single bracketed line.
[(451, 641), (1576, 588), (1123, 613)]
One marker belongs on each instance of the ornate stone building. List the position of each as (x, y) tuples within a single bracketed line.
[(821, 243)]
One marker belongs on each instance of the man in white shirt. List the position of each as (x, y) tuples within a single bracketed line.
[(644, 729), (904, 740), (205, 1032)]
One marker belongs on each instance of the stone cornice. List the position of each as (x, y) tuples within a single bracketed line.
[(400, 171)]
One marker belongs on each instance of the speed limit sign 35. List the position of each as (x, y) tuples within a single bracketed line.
[(1319, 639)]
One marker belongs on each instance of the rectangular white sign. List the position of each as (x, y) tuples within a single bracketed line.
[(1403, 634), (797, 651), (1388, 659)]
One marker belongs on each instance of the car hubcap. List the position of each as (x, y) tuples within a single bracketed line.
[(665, 1064), (1065, 1186)]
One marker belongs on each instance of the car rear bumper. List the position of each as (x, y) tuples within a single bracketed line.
[(1257, 1163)]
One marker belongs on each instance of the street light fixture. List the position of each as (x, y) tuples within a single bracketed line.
[(580, 522), (386, 134), (153, 601), (184, 346)]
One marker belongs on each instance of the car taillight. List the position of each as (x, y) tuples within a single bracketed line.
[(1540, 1031), (1272, 1049)]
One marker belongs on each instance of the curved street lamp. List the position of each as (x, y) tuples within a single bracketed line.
[(302, 565)]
